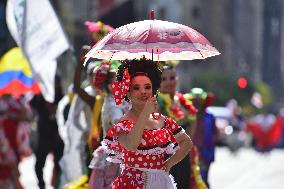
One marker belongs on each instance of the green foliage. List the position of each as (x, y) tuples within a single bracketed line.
[(265, 91), (267, 99), (224, 87)]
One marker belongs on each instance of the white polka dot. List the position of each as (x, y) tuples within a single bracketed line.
[(140, 158), (136, 165), (143, 141), (147, 156), (151, 164), (158, 163), (145, 164), (153, 157)]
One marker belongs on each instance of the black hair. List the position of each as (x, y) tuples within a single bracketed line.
[(141, 66)]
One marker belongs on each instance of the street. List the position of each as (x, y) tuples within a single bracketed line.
[(28, 176), (247, 169)]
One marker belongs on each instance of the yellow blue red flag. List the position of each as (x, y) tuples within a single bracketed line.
[(16, 75)]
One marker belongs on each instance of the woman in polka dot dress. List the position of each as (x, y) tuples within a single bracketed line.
[(142, 138)]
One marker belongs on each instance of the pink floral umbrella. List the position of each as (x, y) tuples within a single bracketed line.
[(155, 39)]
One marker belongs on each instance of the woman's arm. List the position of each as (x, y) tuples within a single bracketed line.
[(190, 129), (90, 100), (132, 140), (185, 145)]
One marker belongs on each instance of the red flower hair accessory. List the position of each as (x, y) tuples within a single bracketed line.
[(121, 88), (101, 72)]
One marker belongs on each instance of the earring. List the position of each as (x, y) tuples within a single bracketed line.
[(156, 117)]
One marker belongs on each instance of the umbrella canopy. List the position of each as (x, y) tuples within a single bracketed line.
[(155, 39), (15, 74)]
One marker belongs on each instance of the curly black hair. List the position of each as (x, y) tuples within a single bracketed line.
[(141, 66)]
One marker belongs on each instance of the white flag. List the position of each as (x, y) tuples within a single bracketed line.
[(36, 29)]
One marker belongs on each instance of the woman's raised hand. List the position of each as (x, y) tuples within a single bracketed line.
[(150, 106)]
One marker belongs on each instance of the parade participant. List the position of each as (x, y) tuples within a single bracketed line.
[(97, 30), (83, 124), (140, 140), (14, 140), (101, 74), (174, 105), (72, 126), (88, 96), (49, 140), (76, 128), (105, 172), (205, 133), (73, 133)]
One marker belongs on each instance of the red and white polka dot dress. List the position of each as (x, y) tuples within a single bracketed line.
[(150, 154)]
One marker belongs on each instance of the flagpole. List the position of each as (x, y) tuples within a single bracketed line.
[(23, 33)]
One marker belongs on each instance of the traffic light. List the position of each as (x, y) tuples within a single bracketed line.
[(242, 82)]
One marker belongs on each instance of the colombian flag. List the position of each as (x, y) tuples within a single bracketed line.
[(15, 74)]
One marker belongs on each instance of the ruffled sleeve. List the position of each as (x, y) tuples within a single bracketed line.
[(110, 142), (174, 128)]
